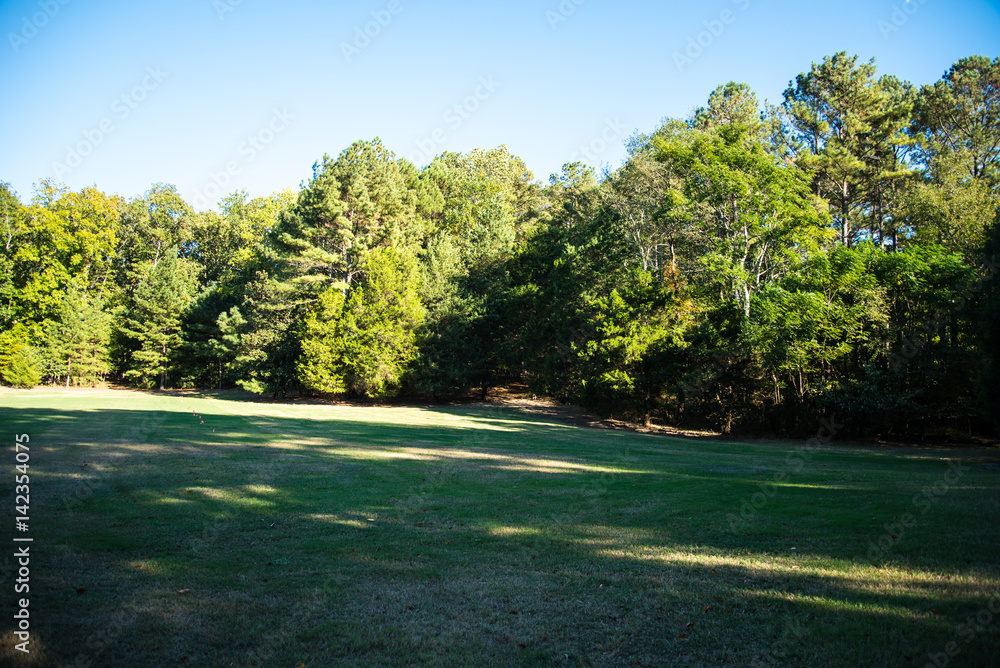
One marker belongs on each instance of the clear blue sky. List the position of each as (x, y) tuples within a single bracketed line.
[(173, 91)]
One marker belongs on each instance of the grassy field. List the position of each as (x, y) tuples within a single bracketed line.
[(202, 530)]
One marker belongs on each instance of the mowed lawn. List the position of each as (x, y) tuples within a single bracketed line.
[(180, 529)]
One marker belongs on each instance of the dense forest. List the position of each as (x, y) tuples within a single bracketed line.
[(753, 267)]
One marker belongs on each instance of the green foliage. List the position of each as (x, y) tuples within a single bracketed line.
[(22, 370), (951, 209), (225, 243), (269, 346), (449, 359), (77, 338), (813, 327), (620, 364), (486, 196), (13, 226), (19, 363), (849, 129), (153, 319), (352, 205), (731, 104), (746, 268), (988, 316), (957, 119), (323, 366), (212, 332), (749, 215), (363, 344), (63, 239)]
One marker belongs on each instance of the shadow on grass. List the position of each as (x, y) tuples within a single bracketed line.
[(476, 531)]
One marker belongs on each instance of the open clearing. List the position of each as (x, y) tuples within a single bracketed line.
[(184, 529)]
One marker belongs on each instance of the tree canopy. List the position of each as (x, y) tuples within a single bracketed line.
[(752, 266)]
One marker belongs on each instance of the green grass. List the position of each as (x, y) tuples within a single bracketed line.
[(481, 535)]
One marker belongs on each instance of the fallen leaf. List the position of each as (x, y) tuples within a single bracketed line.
[(409, 607), (683, 636), (689, 625), (184, 592), (80, 590), (704, 608)]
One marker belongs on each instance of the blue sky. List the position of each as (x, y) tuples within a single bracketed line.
[(219, 95)]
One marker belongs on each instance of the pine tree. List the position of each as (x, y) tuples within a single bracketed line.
[(77, 338), (225, 344), (365, 342), (19, 363), (851, 129), (154, 317)]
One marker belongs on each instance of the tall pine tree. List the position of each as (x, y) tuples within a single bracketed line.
[(153, 319)]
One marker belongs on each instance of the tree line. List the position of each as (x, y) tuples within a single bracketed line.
[(751, 267)]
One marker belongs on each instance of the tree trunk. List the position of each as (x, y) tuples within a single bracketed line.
[(845, 232), (163, 371)]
